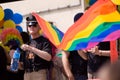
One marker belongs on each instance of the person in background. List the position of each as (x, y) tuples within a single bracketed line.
[(97, 57), (58, 72), (26, 38), (3, 64), (75, 62), (13, 45), (38, 52)]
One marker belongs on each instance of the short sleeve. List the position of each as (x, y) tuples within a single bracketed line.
[(47, 47)]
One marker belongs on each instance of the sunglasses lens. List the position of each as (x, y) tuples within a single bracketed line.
[(32, 25)]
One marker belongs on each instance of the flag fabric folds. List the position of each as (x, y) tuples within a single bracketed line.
[(101, 22), (50, 31)]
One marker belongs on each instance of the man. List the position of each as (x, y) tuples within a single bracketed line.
[(38, 53), (98, 56), (75, 62)]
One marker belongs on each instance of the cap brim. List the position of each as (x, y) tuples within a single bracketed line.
[(31, 23)]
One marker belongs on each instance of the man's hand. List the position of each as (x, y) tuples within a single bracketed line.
[(25, 47), (70, 77)]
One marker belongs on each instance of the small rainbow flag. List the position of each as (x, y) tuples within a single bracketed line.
[(50, 31)]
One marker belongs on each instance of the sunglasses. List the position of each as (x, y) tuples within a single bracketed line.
[(32, 24)]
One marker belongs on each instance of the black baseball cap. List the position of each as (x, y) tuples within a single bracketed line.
[(31, 20), (77, 16)]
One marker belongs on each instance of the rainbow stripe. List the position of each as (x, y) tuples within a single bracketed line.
[(50, 31), (101, 22)]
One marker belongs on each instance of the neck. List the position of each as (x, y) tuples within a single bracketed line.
[(35, 36)]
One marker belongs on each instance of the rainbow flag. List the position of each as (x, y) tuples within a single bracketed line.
[(101, 22), (50, 31)]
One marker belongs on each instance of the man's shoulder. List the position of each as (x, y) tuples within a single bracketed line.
[(44, 39)]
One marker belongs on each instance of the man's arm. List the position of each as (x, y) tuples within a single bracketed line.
[(96, 51), (66, 65), (43, 54)]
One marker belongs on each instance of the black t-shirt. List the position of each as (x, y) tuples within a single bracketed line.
[(37, 62), (78, 64)]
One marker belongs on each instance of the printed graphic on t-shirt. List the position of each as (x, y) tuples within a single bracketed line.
[(31, 54)]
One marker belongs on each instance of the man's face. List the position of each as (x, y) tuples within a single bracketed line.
[(33, 27)]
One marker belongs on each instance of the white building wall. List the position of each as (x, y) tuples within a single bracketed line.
[(58, 11)]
